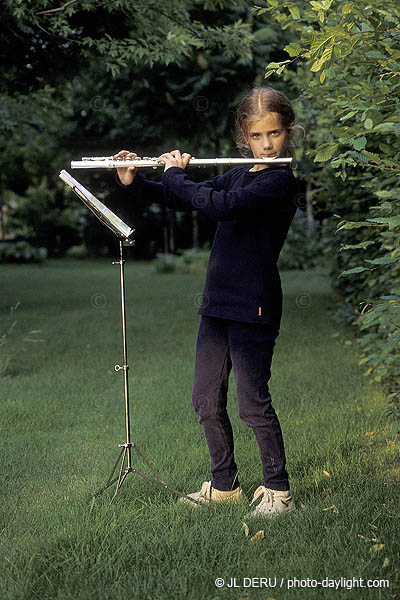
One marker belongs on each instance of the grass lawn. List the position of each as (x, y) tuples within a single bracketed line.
[(62, 417)]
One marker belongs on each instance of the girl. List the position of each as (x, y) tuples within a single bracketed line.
[(242, 299)]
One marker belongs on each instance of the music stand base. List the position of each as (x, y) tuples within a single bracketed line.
[(126, 468)]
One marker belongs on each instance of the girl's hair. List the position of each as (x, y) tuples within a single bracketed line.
[(255, 105)]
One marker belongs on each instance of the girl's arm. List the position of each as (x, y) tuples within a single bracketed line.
[(154, 192), (272, 191)]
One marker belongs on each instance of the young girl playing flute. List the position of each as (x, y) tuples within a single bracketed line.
[(242, 299)]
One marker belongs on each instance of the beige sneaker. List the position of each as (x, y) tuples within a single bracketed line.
[(209, 494), (273, 502)]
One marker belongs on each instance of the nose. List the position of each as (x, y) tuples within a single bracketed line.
[(267, 142)]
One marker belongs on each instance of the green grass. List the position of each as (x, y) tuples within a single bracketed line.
[(62, 418)]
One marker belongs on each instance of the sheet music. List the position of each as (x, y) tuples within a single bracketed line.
[(101, 211)]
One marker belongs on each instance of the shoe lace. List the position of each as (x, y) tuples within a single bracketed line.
[(206, 490), (268, 496)]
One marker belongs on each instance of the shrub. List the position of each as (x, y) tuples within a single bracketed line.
[(21, 252)]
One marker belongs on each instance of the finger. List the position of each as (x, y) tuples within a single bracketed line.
[(125, 154), (166, 156), (186, 158)]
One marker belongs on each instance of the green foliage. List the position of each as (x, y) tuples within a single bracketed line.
[(43, 216), (303, 248), (125, 33), (191, 261), (21, 252), (381, 345), (347, 61), (164, 263)]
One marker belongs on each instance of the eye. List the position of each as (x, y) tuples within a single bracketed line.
[(255, 135)]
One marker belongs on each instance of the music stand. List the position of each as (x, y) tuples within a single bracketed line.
[(124, 233)]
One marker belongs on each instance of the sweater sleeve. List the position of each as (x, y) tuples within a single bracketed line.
[(156, 192), (270, 192)]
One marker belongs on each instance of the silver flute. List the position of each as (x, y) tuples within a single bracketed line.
[(109, 162)]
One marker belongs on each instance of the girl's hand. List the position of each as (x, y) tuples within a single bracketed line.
[(126, 174), (174, 159)]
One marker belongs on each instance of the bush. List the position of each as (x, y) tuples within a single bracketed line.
[(191, 260), (21, 252), (164, 263), (79, 252), (303, 248)]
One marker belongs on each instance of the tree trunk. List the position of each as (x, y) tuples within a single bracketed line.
[(309, 212)]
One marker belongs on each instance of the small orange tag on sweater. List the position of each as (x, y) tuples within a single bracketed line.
[(259, 311)]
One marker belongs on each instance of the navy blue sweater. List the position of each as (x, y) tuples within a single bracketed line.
[(254, 211)]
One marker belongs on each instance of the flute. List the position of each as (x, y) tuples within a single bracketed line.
[(109, 162)]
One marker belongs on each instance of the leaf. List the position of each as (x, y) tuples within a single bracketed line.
[(368, 123), (349, 115), (334, 508), (366, 539), (394, 222), (381, 220), (362, 245), (326, 473), (317, 65), (376, 548), (245, 528), (319, 43), (352, 225), (325, 152), (353, 271), (360, 143), (383, 260), (373, 157), (294, 11), (293, 49), (258, 537)]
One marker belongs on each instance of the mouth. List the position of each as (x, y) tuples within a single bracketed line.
[(268, 155)]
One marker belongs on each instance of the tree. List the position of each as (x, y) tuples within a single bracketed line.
[(127, 33)]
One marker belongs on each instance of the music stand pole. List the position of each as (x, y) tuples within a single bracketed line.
[(125, 455)]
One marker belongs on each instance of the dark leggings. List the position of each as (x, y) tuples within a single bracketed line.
[(248, 348)]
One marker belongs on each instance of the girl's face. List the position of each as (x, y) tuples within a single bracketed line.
[(266, 138)]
